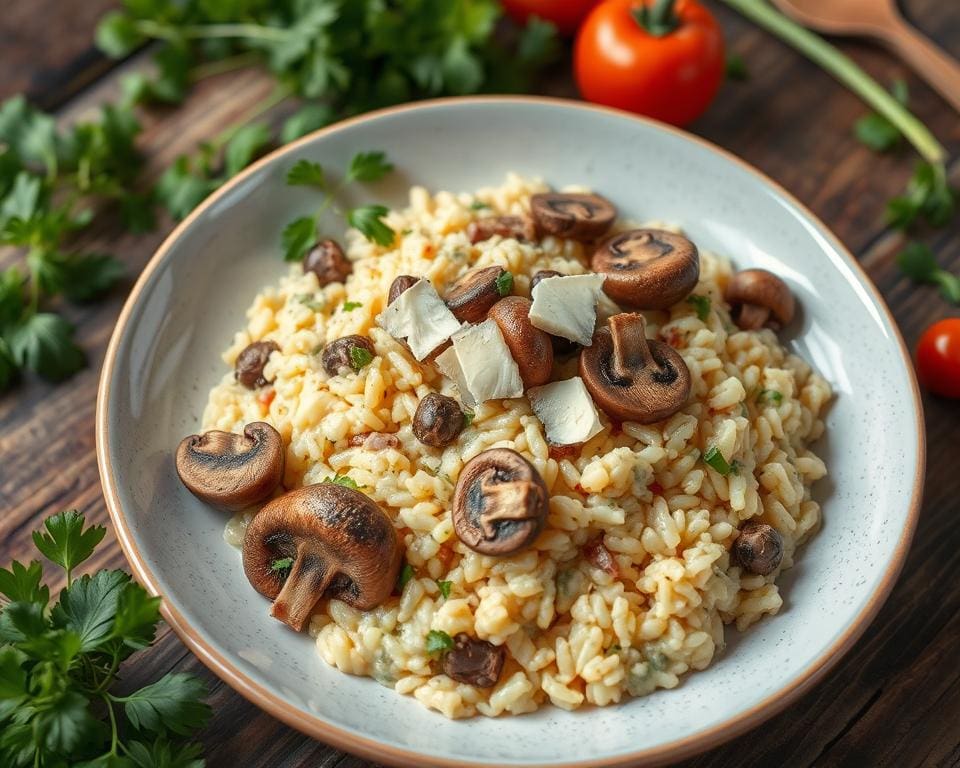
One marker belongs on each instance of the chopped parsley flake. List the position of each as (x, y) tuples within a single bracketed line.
[(345, 480), (478, 205), (438, 642), (715, 459), (406, 573), (310, 300), (283, 564), (349, 306), (359, 357), (505, 283), (701, 304), (445, 588), (769, 396), (468, 418)]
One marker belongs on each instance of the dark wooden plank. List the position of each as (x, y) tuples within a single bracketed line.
[(892, 701), (48, 50)]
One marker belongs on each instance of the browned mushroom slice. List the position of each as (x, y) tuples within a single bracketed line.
[(327, 262), (529, 346), (631, 377), (516, 227), (473, 293), (759, 298), (374, 441), (248, 370), (231, 471), (474, 662), (399, 285), (561, 346), (759, 548), (347, 355), (647, 268), (321, 540), (500, 503), (600, 557), (574, 216), (438, 420)]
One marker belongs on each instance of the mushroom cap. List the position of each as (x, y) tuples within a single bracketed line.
[(754, 288), (631, 377), (647, 268), (759, 548), (438, 420), (500, 503), (232, 471), (400, 284), (530, 347), (248, 368), (574, 216), (472, 294), (342, 544), (516, 227), (338, 355)]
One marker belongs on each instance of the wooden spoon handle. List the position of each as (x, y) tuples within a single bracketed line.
[(941, 71)]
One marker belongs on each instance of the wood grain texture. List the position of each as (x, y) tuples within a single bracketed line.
[(893, 701)]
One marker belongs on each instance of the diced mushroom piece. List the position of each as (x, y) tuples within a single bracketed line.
[(759, 298), (419, 315), (480, 364), (516, 227), (471, 295), (567, 306), (759, 548), (530, 347), (333, 541), (438, 420), (599, 556), (347, 355), (248, 370), (399, 285), (230, 471), (566, 411), (573, 216), (500, 503), (474, 662), (327, 262), (631, 377), (647, 268), (374, 441)]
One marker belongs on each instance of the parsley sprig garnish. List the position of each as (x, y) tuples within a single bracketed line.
[(58, 664), (301, 233)]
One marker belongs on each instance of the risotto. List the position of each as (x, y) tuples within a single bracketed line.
[(631, 578)]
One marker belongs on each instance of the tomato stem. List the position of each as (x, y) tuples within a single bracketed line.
[(844, 69), (659, 19)]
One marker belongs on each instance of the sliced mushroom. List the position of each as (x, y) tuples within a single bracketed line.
[(374, 441), (399, 285), (516, 227), (631, 377), (759, 298), (500, 503), (336, 543), (759, 548), (474, 662), (438, 420), (327, 262), (529, 346), (647, 268), (231, 471), (561, 346), (248, 370), (471, 295), (343, 356), (574, 216)]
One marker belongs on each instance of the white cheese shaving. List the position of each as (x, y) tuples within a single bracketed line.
[(567, 306), (481, 365), (420, 316), (566, 411)]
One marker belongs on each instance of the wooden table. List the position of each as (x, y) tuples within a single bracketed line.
[(893, 701)]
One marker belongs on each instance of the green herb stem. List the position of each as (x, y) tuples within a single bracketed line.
[(844, 69), (154, 29), (222, 66), (114, 733), (277, 96)]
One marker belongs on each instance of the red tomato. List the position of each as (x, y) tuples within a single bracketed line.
[(672, 77), (938, 358), (565, 14)]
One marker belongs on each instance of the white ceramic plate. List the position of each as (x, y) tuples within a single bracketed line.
[(165, 355)]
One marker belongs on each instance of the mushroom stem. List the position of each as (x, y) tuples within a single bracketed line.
[(631, 352), (308, 580), (753, 317)]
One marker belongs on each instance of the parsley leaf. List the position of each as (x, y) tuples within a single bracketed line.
[(715, 459), (44, 344), (67, 543), (468, 417), (368, 219), (344, 480), (359, 357), (297, 238), (769, 396), (876, 131), (928, 196), (246, 144), (406, 573), (306, 120), (918, 263), (438, 642), (368, 166), (138, 613), (281, 564), (172, 704), (306, 173), (349, 306), (89, 605), (504, 283), (22, 583), (445, 588), (478, 205), (701, 304)]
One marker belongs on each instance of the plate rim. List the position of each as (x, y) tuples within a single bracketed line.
[(364, 746)]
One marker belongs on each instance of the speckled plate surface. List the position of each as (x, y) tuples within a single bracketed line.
[(165, 355)]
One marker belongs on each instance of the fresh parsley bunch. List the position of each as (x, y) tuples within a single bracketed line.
[(59, 663)]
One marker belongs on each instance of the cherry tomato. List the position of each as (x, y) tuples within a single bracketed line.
[(671, 77), (566, 15), (938, 358)]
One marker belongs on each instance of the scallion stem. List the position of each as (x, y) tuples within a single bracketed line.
[(844, 69), (154, 29)]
